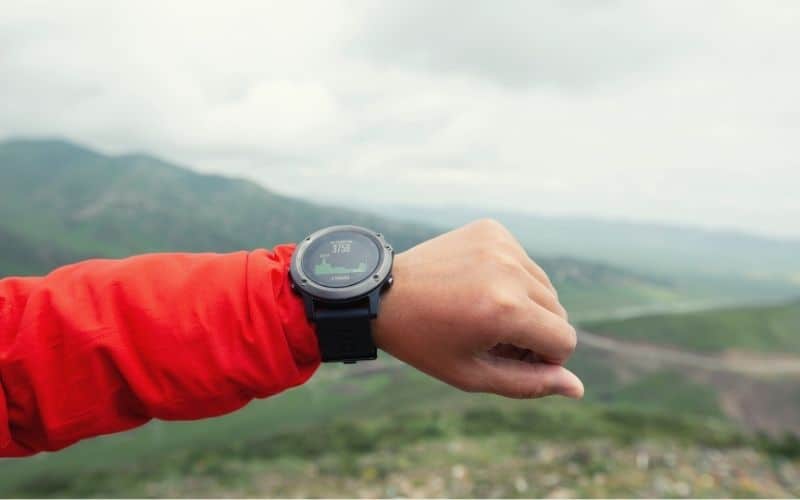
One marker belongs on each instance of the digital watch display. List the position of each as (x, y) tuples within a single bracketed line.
[(340, 272), (341, 259)]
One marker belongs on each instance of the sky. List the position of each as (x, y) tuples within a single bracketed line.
[(682, 112)]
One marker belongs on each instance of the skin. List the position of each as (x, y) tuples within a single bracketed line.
[(471, 308)]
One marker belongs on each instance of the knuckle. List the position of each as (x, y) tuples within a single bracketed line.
[(571, 340), (501, 303), (552, 303), (488, 223), (505, 246), (506, 265), (544, 297), (491, 226), (563, 338), (487, 252), (496, 251)]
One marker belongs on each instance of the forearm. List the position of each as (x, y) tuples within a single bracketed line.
[(104, 346)]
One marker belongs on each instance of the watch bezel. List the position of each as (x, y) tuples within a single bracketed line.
[(350, 293)]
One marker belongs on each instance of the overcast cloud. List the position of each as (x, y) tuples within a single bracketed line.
[(684, 112)]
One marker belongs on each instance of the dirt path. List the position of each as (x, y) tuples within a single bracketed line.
[(741, 364)]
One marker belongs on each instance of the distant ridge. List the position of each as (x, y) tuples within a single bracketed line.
[(649, 247), (63, 202), (80, 203)]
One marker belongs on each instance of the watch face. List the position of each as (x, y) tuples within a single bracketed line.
[(341, 259)]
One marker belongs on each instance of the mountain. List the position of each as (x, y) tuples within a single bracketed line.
[(674, 391), (704, 268), (78, 203), (63, 203), (646, 247)]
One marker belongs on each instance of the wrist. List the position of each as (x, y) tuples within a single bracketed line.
[(384, 327)]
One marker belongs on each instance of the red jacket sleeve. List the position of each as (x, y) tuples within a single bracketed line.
[(106, 345)]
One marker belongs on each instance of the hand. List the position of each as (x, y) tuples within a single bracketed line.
[(470, 308)]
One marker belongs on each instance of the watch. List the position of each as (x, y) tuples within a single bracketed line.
[(340, 272)]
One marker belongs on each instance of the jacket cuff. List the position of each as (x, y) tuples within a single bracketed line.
[(300, 333)]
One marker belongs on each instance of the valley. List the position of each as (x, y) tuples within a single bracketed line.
[(692, 372)]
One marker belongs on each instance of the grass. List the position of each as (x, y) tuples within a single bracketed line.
[(600, 300), (312, 403), (400, 401), (767, 329), (337, 420), (662, 390), (337, 445)]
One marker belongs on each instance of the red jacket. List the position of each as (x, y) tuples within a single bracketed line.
[(106, 345)]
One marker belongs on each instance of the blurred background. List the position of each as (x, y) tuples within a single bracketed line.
[(646, 154)]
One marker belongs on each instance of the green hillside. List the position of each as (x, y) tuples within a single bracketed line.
[(63, 202), (79, 203), (352, 431), (384, 429), (366, 426), (647, 247), (772, 329), (591, 289)]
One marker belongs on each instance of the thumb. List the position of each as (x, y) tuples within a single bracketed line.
[(524, 380)]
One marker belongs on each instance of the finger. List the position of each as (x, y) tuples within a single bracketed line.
[(545, 297), (519, 379), (543, 332), (533, 268)]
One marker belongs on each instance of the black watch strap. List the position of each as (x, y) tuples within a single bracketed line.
[(345, 333)]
